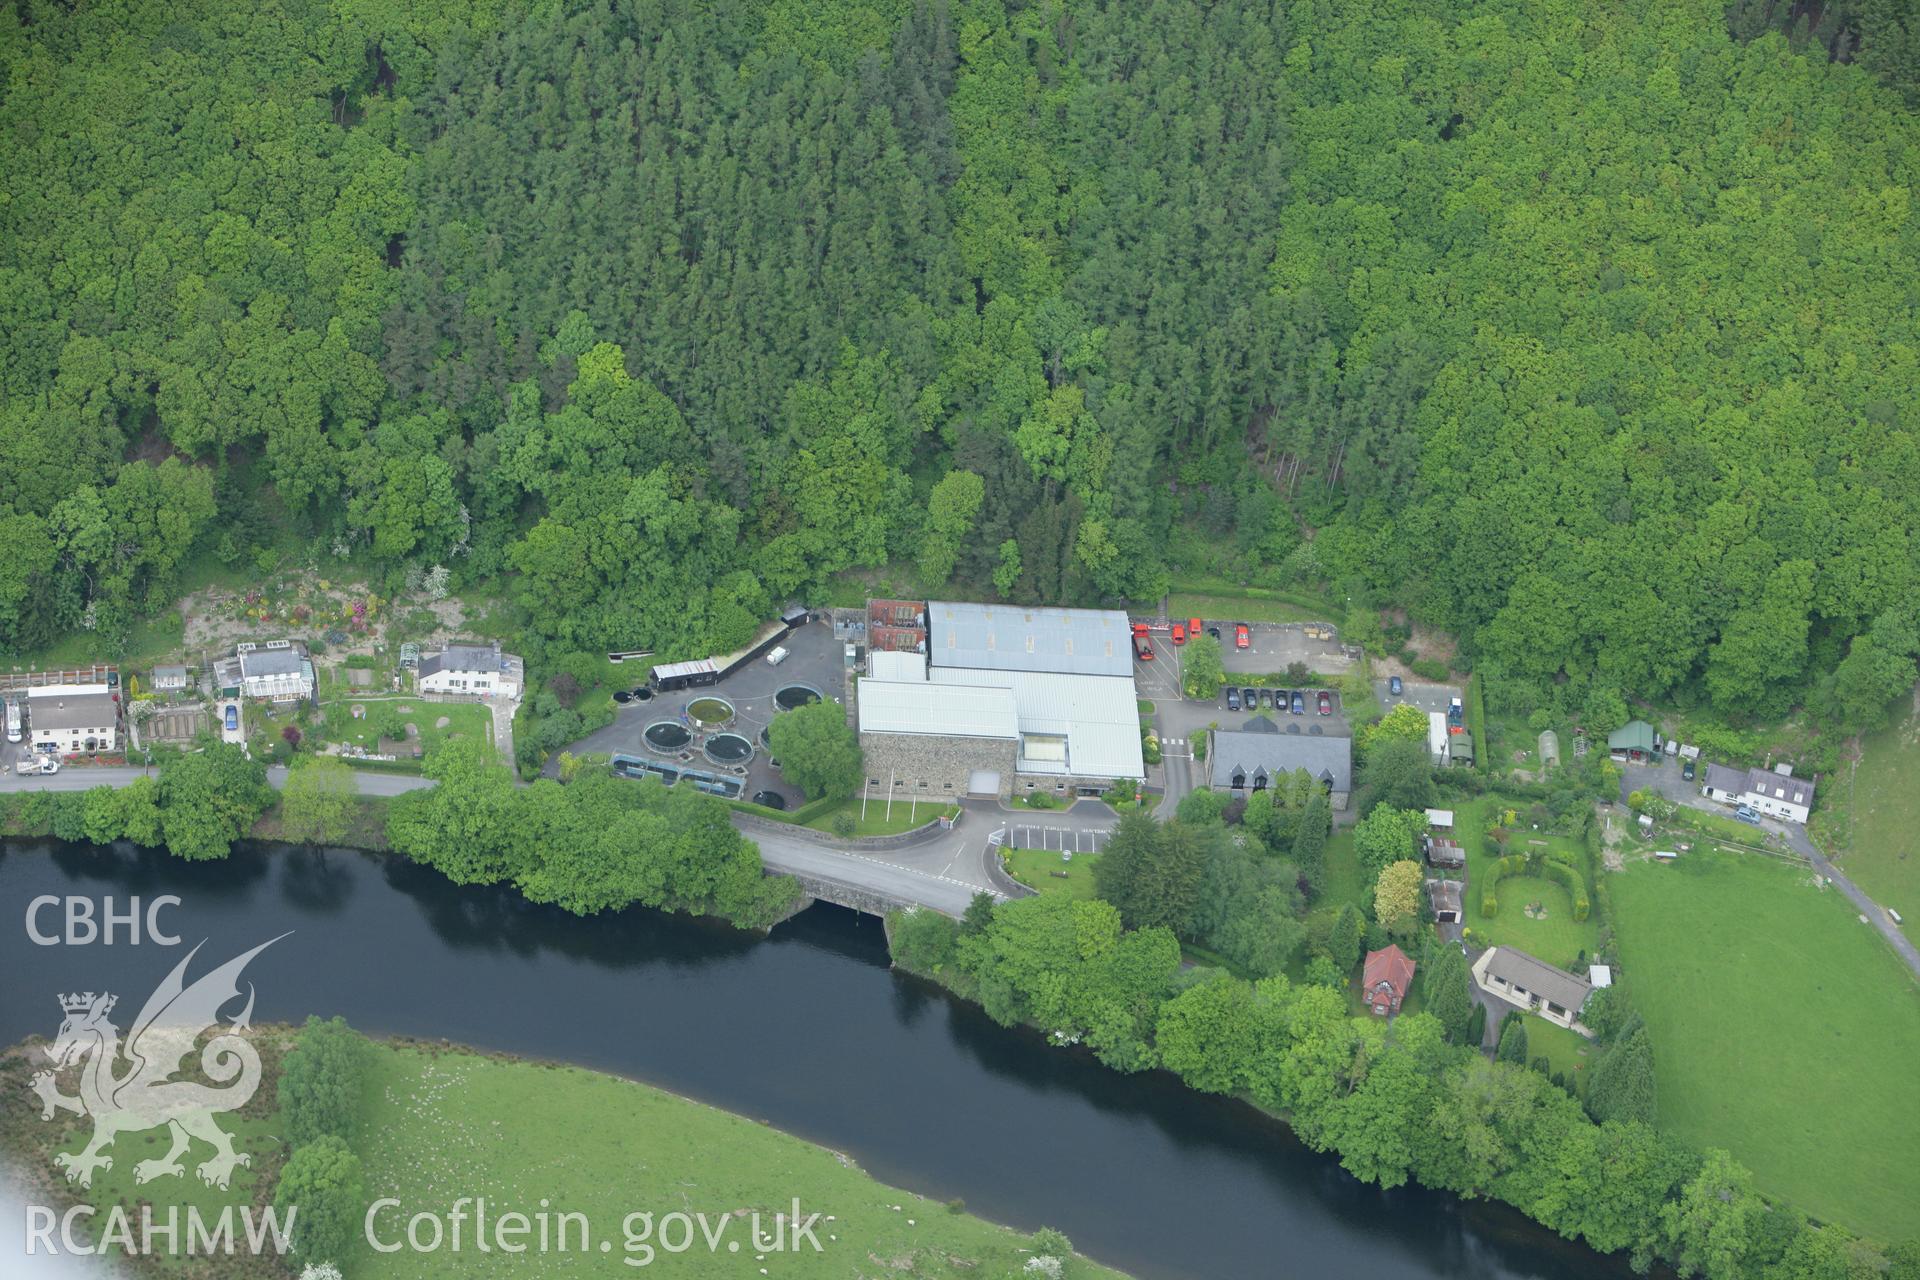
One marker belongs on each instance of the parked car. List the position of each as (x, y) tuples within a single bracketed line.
[(1142, 647), (1179, 633), (1266, 698), (1394, 687), (1233, 699), (1747, 815), (1250, 698), (778, 656), (1193, 628), (1326, 703), (1241, 636), (233, 718), (1214, 632), (38, 764), (1686, 769), (1298, 705), (1454, 711)]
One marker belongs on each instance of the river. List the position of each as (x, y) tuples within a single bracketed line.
[(808, 1030)]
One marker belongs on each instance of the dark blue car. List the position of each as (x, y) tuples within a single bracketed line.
[(1299, 707), (233, 719)]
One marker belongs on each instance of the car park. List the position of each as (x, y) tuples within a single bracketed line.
[(1179, 633), (1395, 687), (1686, 769), (1326, 703), (1214, 632), (1142, 647), (1233, 699), (1250, 698), (1242, 637), (1193, 628)]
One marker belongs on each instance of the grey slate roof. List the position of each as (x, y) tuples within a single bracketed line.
[(272, 662), (1542, 979), (74, 711), (1001, 637), (1722, 778), (470, 657), (1779, 786), (169, 673), (1234, 750)]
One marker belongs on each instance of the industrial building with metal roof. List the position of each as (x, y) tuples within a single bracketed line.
[(999, 637), (941, 710)]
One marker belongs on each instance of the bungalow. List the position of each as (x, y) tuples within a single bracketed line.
[(475, 669), (68, 719), (1533, 985), (1386, 979), (171, 679), (278, 671), (1632, 742)]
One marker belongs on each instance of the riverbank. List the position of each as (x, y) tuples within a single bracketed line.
[(439, 1122)]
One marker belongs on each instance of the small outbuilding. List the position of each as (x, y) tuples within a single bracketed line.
[(1549, 748), (171, 679), (1633, 742), (1386, 979)]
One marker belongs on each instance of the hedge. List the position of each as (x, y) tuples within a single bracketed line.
[(1514, 863), (1489, 899), (1575, 885), (1476, 714)]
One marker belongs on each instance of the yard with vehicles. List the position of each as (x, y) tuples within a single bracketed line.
[(1534, 913), (1783, 1029)]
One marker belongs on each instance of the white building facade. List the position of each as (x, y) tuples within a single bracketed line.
[(475, 670), (73, 719)]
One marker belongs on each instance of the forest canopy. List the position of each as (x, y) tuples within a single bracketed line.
[(1584, 332)]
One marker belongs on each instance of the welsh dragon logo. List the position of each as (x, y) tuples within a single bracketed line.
[(145, 1096)]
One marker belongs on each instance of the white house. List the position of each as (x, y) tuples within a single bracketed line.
[(1774, 792), (475, 669), (72, 718), (1778, 794), (278, 671)]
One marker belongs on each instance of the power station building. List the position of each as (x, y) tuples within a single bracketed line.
[(999, 700)]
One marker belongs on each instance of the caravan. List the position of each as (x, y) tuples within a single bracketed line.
[(13, 720)]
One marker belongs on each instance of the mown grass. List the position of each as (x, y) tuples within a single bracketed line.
[(1784, 1030), (1555, 937), (1051, 871), (464, 718), (1566, 1052), (440, 1126), (906, 814), (1226, 609)]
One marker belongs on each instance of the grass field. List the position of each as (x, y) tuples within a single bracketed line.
[(1344, 882), (1556, 937), (469, 718), (1783, 1031), (1041, 869), (1881, 849), (1565, 1052), (443, 1126), (1219, 607), (905, 816)]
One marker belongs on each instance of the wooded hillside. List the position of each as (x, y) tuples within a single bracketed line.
[(1585, 332)]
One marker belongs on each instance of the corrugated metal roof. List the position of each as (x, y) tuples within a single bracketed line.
[(887, 664), (699, 666), (998, 637), (1096, 715), (902, 706)]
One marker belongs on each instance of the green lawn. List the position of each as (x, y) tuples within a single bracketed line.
[(907, 813), (1555, 937), (1344, 882), (1566, 1052), (1049, 871), (1784, 1030), (1882, 853), (440, 1126), (468, 718)]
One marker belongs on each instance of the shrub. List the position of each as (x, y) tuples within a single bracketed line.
[(1429, 669)]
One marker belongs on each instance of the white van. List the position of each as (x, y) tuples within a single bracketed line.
[(778, 656)]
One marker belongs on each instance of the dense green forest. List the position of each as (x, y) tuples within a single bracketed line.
[(1589, 333)]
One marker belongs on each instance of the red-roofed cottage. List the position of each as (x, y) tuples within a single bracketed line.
[(1386, 978)]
